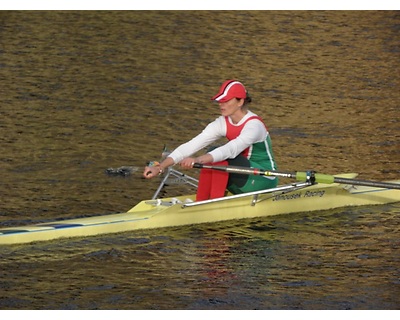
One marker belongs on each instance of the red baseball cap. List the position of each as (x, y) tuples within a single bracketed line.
[(230, 89)]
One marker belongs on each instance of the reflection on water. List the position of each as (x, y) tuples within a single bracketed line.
[(85, 91), (326, 260)]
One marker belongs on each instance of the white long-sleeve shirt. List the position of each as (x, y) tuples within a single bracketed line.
[(253, 131)]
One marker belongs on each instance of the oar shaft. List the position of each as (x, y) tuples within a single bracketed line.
[(244, 170), (368, 183), (300, 176), (328, 179)]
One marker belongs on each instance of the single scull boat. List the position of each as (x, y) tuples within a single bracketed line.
[(308, 195)]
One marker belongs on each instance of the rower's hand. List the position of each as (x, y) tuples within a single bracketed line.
[(187, 163), (151, 172)]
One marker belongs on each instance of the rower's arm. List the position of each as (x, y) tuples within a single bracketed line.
[(167, 162)]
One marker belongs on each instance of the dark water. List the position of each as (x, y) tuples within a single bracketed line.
[(84, 91)]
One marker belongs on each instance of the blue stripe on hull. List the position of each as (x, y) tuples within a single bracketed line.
[(12, 231), (62, 225)]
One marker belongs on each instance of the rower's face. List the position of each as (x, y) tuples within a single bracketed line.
[(230, 107)]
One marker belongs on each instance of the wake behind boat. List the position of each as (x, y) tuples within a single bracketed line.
[(308, 195)]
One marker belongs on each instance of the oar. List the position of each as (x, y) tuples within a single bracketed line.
[(121, 171), (300, 176)]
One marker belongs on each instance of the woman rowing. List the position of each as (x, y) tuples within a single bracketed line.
[(249, 145)]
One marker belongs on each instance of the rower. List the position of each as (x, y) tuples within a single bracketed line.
[(249, 145)]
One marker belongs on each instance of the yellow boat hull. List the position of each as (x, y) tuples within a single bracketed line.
[(147, 214)]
